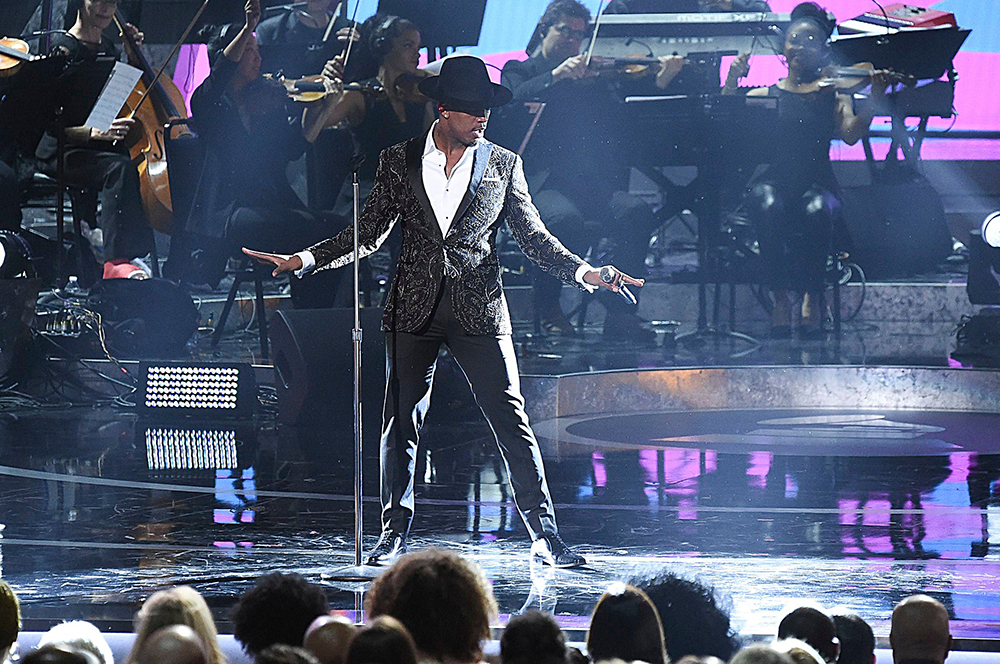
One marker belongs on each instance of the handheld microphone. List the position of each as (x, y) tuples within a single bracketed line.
[(608, 277)]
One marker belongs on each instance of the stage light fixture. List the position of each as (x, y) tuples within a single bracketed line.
[(15, 255), (203, 390), (191, 449), (991, 229)]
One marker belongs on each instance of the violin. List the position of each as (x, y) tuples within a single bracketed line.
[(630, 65), (13, 54), (855, 78), (311, 88)]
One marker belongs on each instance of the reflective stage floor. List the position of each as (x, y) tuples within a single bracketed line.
[(853, 505)]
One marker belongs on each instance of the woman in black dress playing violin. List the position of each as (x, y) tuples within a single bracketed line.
[(792, 205)]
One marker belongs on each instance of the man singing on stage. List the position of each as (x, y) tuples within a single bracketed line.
[(451, 191)]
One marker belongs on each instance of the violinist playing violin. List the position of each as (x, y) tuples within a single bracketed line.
[(251, 132), (100, 159), (379, 121), (579, 176), (793, 204)]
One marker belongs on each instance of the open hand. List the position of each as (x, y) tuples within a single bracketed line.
[(618, 279), (281, 262), (118, 131)]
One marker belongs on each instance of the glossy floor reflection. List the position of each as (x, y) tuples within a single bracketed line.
[(771, 508)]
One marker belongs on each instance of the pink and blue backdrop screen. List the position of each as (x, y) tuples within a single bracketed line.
[(507, 26)]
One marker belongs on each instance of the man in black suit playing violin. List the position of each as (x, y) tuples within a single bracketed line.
[(451, 191)]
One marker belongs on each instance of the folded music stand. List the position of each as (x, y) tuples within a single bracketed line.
[(923, 53)]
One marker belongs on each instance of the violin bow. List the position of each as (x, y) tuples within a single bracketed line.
[(170, 57), (333, 19), (593, 37), (350, 42)]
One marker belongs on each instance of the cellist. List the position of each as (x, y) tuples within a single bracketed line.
[(100, 160)]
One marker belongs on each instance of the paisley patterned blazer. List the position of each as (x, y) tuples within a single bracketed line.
[(465, 260)]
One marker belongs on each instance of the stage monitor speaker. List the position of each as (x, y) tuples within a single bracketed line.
[(314, 369), (895, 229), (983, 286)]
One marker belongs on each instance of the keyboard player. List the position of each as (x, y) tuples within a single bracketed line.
[(578, 177)]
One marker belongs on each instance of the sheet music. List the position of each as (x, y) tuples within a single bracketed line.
[(120, 84)]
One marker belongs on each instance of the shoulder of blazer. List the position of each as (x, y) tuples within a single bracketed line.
[(502, 155)]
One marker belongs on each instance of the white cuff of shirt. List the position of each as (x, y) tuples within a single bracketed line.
[(580, 271), (308, 263)]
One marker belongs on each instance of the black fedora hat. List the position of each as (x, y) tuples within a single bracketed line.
[(465, 85)]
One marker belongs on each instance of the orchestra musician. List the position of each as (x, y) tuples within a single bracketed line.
[(250, 134), (301, 30), (379, 120), (450, 191), (792, 205), (100, 159), (581, 180)]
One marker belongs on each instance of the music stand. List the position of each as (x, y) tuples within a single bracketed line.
[(47, 94), (925, 53), (442, 23)]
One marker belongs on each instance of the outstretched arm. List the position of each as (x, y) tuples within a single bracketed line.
[(376, 220), (544, 249)]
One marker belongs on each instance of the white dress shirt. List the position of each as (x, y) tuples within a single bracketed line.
[(445, 192)]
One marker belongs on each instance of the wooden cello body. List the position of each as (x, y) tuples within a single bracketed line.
[(163, 102)]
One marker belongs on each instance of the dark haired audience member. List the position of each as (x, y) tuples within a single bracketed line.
[(278, 609), (177, 644), (814, 627), (920, 632), (281, 653), (443, 600), (693, 621), (10, 619), (625, 625), (532, 638), (857, 641), (383, 641), (329, 637)]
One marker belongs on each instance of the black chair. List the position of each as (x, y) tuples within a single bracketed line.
[(185, 161), (82, 205)]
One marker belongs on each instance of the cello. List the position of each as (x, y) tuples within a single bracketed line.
[(153, 103)]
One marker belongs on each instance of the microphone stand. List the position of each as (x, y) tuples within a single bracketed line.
[(356, 573)]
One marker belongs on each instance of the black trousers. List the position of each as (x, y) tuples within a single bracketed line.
[(795, 231), (490, 366), (123, 222)]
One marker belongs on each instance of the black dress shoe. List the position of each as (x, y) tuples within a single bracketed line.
[(391, 545), (553, 551)]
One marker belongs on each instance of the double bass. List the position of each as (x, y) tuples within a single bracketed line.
[(153, 103)]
